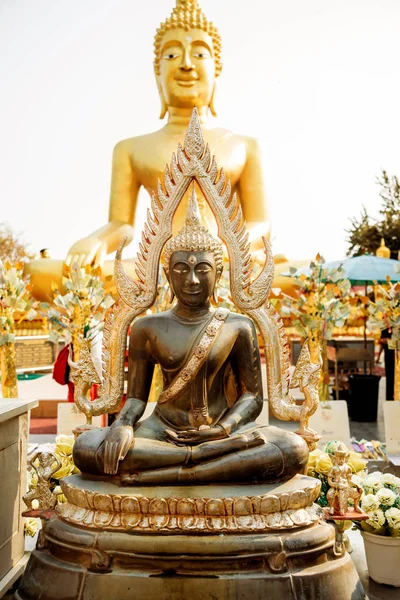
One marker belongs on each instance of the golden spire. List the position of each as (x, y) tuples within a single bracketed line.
[(194, 237), (383, 251), (186, 15)]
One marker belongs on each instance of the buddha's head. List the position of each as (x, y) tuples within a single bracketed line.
[(187, 59), (193, 260)]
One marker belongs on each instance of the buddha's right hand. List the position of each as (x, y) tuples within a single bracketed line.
[(88, 251), (117, 442)]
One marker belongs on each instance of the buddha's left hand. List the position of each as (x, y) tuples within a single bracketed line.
[(192, 437)]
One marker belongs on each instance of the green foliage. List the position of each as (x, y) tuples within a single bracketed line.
[(385, 311), (12, 247), (365, 235)]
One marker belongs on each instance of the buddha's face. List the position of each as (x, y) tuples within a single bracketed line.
[(192, 276), (187, 66)]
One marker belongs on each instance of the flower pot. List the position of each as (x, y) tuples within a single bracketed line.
[(383, 558)]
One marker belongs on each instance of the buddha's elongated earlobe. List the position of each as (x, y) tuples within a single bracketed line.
[(164, 105), (171, 290), (215, 296), (215, 293), (212, 102)]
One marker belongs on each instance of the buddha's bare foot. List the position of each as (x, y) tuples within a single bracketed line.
[(255, 438), (236, 443)]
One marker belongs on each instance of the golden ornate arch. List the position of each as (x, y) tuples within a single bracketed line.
[(194, 162)]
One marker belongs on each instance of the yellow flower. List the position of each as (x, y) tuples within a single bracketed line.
[(64, 444), (31, 526), (356, 462), (60, 496), (67, 467), (323, 464), (312, 460)]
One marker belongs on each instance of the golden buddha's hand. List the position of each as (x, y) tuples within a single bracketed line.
[(192, 437), (117, 442), (88, 251)]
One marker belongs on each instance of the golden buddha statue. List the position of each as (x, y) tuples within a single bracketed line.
[(187, 66)]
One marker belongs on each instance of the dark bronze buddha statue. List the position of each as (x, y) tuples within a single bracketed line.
[(215, 505), (203, 428)]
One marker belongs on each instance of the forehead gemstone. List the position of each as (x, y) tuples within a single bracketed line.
[(192, 260), (188, 39)]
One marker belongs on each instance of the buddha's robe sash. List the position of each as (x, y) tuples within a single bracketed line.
[(195, 360)]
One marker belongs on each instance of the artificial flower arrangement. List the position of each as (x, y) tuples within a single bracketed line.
[(320, 306), (79, 313), (385, 314), (381, 502), (16, 303)]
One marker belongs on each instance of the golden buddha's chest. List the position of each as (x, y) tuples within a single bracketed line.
[(152, 153)]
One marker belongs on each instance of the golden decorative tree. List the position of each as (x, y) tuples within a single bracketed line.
[(79, 312), (16, 303), (385, 314), (322, 303)]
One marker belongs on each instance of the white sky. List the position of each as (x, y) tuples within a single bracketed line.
[(317, 81)]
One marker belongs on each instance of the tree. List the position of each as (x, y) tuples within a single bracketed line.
[(12, 247), (364, 236)]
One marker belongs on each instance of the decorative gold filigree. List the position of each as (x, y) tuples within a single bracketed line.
[(197, 359), (194, 162), (139, 513), (45, 464)]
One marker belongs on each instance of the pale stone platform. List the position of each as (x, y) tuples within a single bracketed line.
[(13, 457)]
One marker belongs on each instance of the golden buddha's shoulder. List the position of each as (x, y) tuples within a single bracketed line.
[(135, 143)]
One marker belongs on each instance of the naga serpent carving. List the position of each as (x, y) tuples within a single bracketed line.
[(194, 162)]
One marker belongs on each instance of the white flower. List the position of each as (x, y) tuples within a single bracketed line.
[(386, 496), (393, 518), (357, 480), (390, 479), (369, 503), (374, 481), (376, 518)]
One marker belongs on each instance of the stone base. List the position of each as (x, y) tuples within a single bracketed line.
[(71, 563), (188, 542)]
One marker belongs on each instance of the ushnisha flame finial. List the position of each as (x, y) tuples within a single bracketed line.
[(194, 237), (193, 217)]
